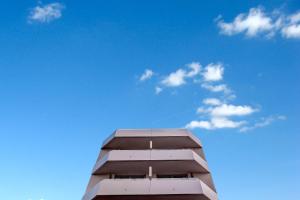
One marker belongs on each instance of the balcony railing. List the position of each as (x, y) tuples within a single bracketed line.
[(162, 161), (139, 189)]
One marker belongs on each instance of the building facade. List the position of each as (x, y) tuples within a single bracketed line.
[(151, 164)]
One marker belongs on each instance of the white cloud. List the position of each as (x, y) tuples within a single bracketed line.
[(202, 110), (258, 22), (179, 77), (215, 113), (213, 72), (230, 97), (195, 69), (295, 18), (252, 23), (199, 124), (292, 28), (262, 123), (232, 110), (224, 110), (215, 123), (175, 79), (216, 88), (223, 122), (46, 13), (218, 115), (291, 31), (148, 73), (158, 90), (212, 101)]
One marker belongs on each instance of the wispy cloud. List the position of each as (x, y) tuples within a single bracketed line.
[(212, 101), (158, 90), (195, 69), (175, 79), (213, 73), (179, 77), (262, 123), (216, 88), (148, 73), (259, 22), (46, 13)]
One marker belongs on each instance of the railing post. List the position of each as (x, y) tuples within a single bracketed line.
[(150, 172)]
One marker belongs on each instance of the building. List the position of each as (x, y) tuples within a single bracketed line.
[(151, 164)]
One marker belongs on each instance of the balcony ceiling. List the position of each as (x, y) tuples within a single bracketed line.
[(161, 139)]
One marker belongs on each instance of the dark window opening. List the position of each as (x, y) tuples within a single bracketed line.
[(129, 176), (172, 176)]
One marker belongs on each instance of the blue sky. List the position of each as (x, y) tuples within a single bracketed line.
[(71, 72)]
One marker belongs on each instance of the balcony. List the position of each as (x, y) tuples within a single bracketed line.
[(161, 139), (151, 189), (162, 162)]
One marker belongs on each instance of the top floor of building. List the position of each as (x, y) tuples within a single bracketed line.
[(140, 139)]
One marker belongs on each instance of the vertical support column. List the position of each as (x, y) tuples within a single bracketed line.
[(150, 167), (112, 176), (150, 172)]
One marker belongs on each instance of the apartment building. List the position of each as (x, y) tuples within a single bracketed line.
[(151, 164)]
